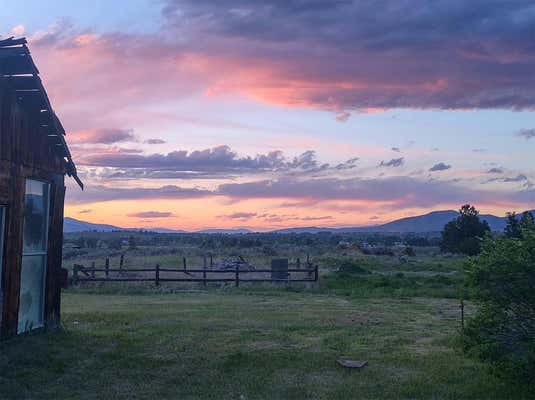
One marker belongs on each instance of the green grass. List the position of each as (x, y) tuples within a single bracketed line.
[(397, 285), (240, 344)]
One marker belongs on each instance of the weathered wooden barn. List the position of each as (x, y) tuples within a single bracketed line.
[(34, 158)]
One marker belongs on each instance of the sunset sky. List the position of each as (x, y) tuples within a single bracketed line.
[(193, 114)]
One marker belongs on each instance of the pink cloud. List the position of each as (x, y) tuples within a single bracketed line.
[(101, 136)]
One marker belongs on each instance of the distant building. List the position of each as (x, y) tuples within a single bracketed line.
[(34, 159)]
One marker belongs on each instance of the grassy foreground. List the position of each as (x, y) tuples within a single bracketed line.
[(236, 345)]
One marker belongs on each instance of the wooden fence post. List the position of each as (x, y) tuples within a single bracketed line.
[(121, 262), (204, 261), (157, 279), (184, 263), (211, 261), (316, 274), (204, 273), (237, 283), (93, 270), (279, 270), (75, 274), (462, 315), (298, 264), (107, 268)]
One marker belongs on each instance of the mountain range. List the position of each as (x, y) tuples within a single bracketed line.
[(431, 222)]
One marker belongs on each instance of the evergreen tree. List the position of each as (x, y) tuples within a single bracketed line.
[(464, 234)]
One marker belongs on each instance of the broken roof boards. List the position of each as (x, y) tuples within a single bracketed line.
[(19, 71)]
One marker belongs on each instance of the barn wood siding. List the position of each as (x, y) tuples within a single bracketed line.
[(26, 153)]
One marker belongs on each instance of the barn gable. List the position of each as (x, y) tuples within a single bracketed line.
[(23, 92)]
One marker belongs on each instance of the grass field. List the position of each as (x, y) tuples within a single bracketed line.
[(246, 344), (135, 341)]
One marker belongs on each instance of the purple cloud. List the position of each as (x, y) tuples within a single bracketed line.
[(99, 193), (439, 167), (350, 42), (102, 136), (217, 162), (400, 191)]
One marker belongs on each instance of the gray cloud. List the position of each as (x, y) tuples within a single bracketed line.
[(343, 116), (151, 214), (239, 215), (395, 162), (495, 171), (518, 178), (527, 133), (320, 218), (155, 141), (439, 167), (349, 164), (218, 159)]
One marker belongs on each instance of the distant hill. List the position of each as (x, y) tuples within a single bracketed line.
[(71, 225), (434, 222), (431, 222)]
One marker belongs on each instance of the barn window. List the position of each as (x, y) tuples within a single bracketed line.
[(34, 253)]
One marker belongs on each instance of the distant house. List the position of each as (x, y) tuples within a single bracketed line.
[(34, 159)]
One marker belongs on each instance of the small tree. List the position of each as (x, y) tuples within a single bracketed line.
[(503, 330), (464, 234), (527, 222), (512, 229)]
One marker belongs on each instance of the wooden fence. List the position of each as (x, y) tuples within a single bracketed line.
[(158, 275)]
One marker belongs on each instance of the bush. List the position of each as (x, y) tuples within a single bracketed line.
[(409, 252), (503, 281), (352, 267)]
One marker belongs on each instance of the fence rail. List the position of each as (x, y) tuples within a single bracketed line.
[(82, 274)]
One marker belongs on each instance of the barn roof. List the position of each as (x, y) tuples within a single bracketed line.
[(17, 66)]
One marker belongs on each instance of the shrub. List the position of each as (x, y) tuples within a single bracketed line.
[(503, 281), (409, 251), (352, 267)]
